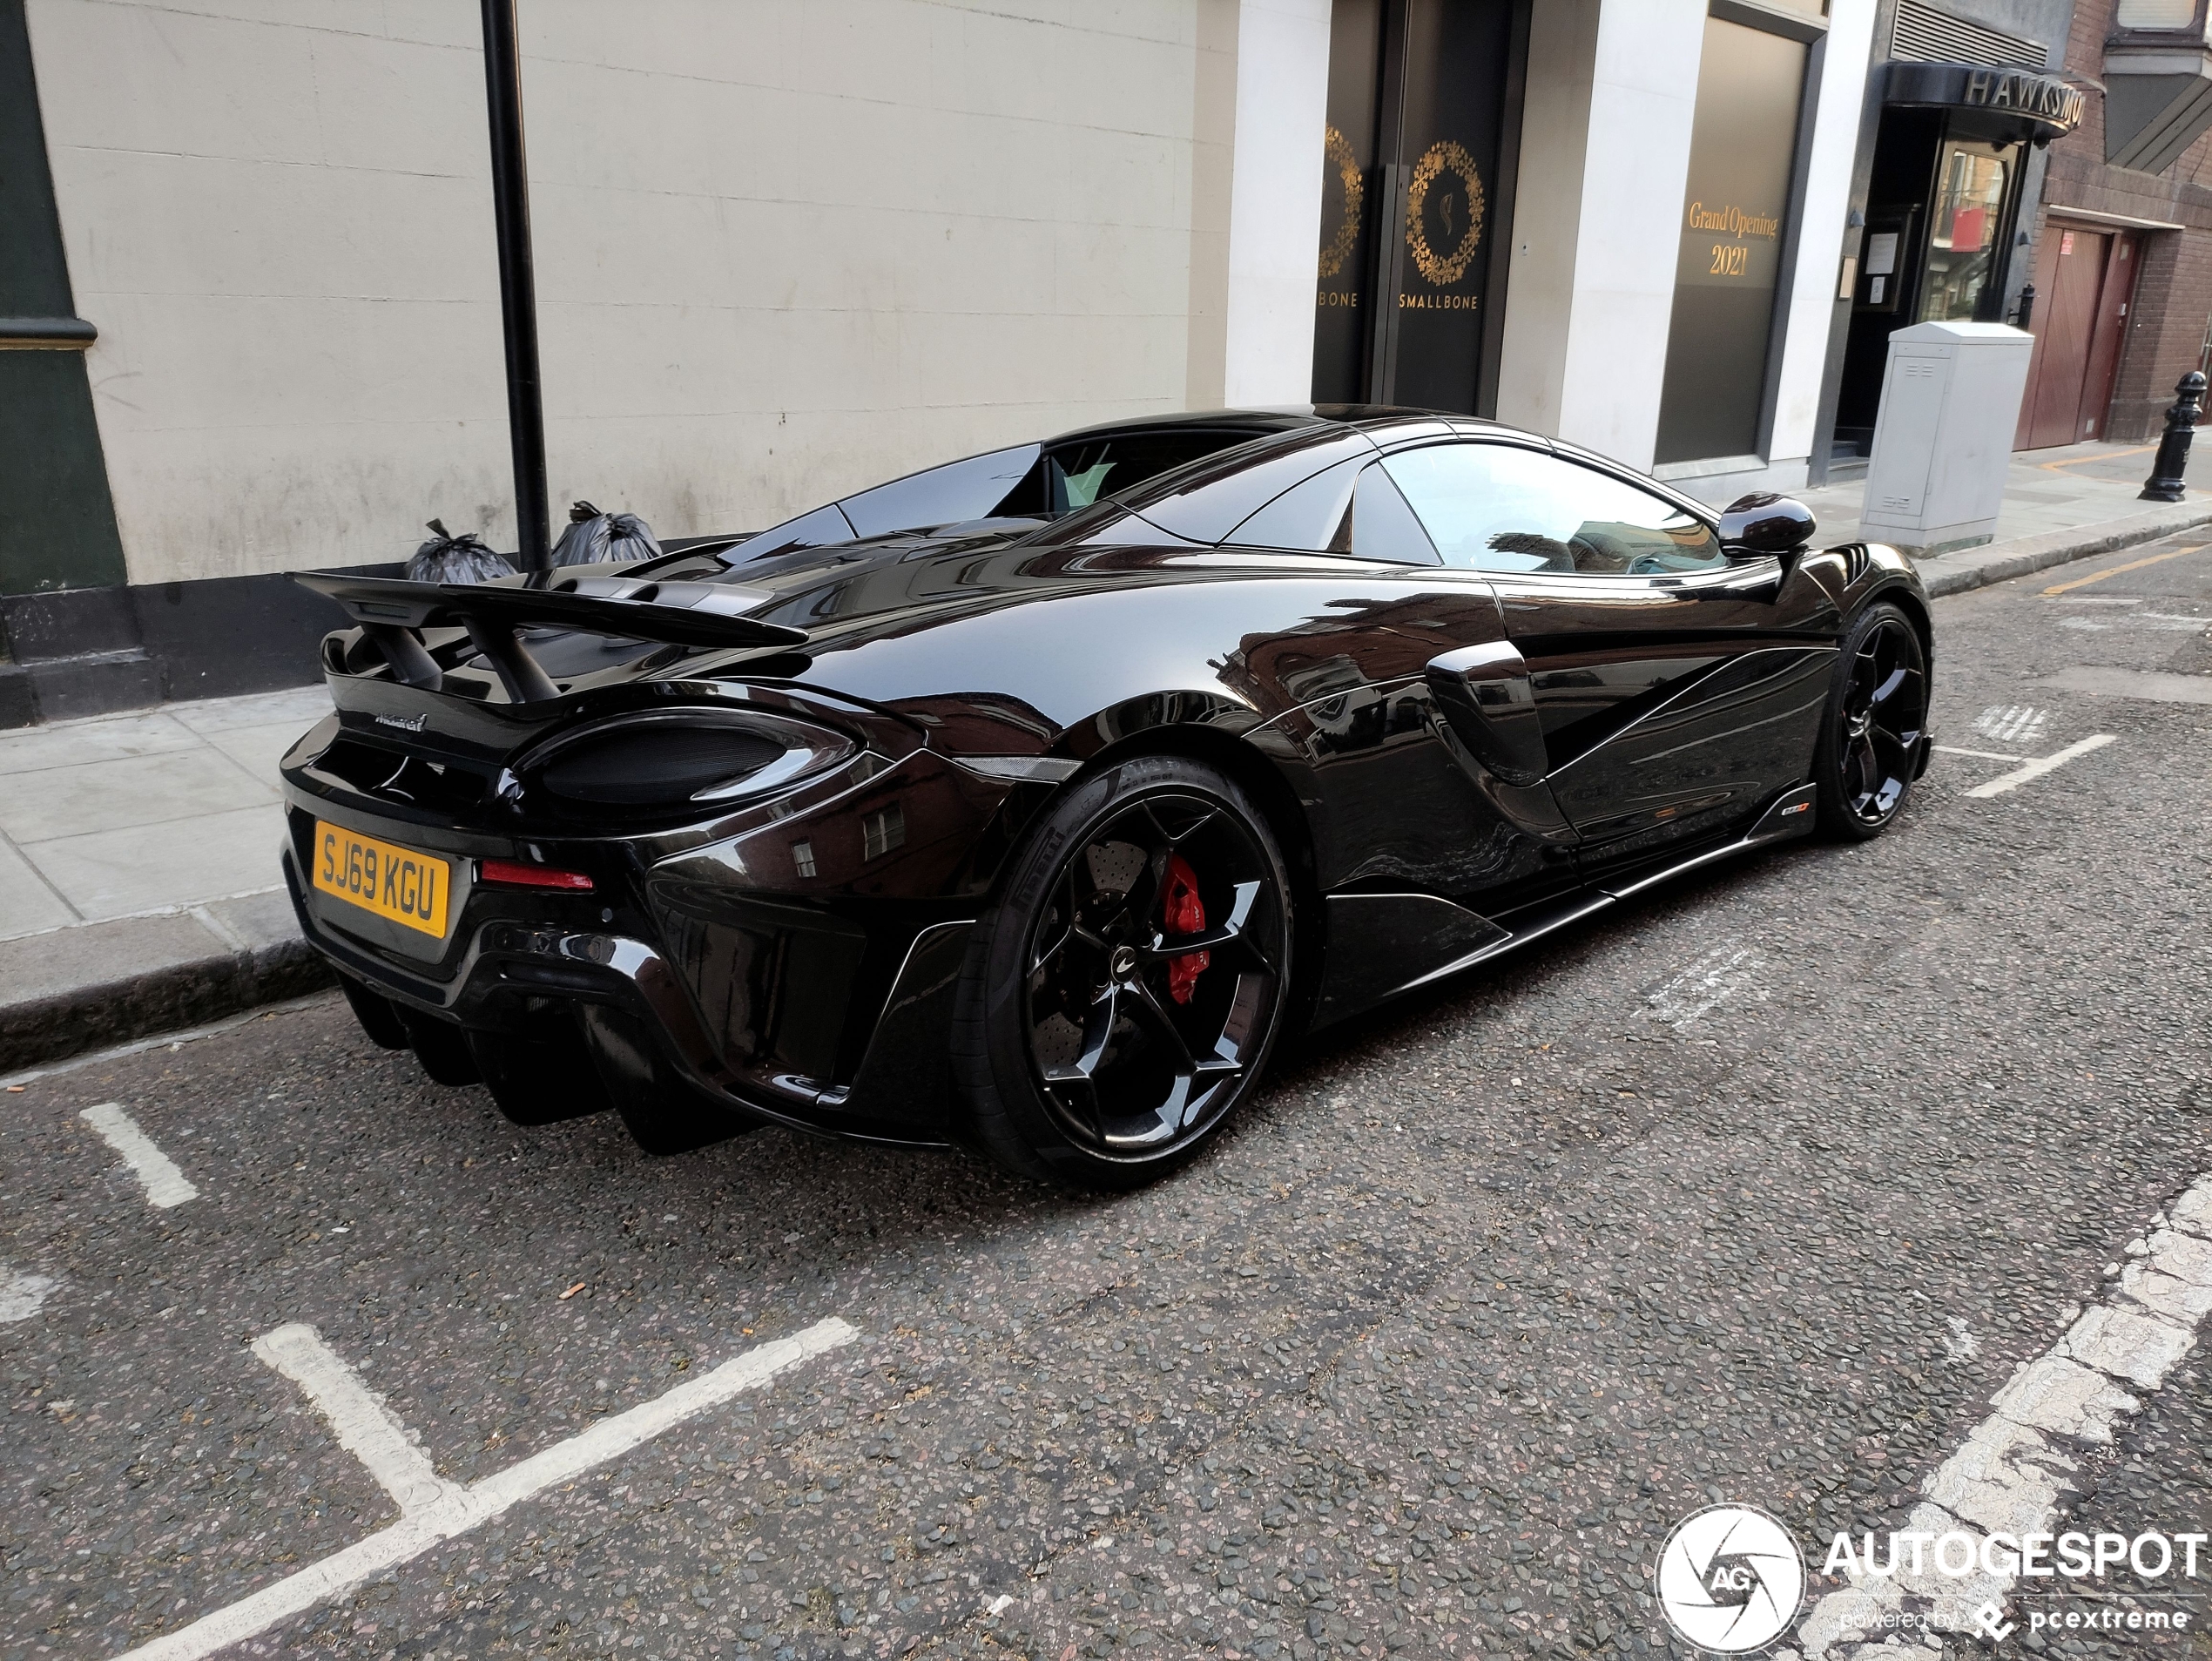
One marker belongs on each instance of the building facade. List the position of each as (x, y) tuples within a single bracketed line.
[(789, 247), (2124, 257), (784, 249), (1963, 100)]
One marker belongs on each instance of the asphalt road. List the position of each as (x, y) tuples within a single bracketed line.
[(1755, 1190)]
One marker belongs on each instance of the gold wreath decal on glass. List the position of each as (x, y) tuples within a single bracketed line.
[(1338, 151), (1443, 270)]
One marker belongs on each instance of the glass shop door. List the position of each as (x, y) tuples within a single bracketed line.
[(1973, 187), (1423, 120)]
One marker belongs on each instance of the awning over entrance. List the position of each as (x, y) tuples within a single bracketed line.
[(2012, 104)]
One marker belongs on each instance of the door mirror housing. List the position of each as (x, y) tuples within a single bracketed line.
[(1766, 523)]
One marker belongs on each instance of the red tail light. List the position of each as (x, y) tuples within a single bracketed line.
[(513, 873)]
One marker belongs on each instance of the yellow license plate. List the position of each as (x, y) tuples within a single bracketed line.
[(399, 883)]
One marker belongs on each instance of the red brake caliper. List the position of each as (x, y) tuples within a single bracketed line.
[(1184, 912)]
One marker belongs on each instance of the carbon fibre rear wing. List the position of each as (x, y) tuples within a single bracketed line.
[(392, 612)]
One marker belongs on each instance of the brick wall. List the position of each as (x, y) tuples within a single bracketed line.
[(2173, 285)]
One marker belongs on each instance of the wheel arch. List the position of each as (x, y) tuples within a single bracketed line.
[(1915, 607)]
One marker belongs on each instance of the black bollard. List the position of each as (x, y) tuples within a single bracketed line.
[(2165, 482)]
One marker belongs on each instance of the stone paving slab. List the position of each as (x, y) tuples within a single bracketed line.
[(2072, 488), (138, 877)]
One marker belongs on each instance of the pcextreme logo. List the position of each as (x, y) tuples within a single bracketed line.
[(1731, 1579)]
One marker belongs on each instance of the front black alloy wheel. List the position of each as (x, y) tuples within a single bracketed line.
[(1875, 725), (1123, 998)]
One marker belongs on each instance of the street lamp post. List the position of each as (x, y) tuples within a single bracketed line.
[(517, 283)]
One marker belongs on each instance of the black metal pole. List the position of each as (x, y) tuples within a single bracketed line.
[(511, 197), (2166, 482)]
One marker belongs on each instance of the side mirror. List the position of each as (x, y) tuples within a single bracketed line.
[(1765, 523)]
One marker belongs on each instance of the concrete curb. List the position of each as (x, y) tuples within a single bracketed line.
[(99, 984), (1999, 561)]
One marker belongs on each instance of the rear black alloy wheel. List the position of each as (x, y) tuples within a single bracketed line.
[(1876, 725), (1123, 998)]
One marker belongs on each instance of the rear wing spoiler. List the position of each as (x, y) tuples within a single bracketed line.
[(391, 612)]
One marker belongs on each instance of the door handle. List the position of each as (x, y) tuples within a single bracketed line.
[(1489, 699)]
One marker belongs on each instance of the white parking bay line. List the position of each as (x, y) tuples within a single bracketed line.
[(2021, 1465), (22, 1293), (1979, 755), (462, 1508), (2020, 776), (367, 1426), (165, 1185)]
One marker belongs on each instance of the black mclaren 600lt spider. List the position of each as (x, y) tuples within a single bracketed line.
[(1030, 802)]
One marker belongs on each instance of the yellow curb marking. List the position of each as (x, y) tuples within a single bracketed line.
[(2131, 565), (2101, 456)]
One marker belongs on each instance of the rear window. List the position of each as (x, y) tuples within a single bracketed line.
[(1075, 475), (1027, 482)]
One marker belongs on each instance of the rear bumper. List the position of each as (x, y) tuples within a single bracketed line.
[(514, 970)]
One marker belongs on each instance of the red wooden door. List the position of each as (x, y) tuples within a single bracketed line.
[(2115, 298), (2065, 319)]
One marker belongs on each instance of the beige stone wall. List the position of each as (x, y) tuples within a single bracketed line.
[(785, 247)]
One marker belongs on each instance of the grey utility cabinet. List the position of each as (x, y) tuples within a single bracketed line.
[(1950, 403)]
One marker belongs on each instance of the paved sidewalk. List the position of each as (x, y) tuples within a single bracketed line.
[(2048, 490), (138, 884)]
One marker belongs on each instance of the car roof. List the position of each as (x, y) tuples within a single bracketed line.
[(1254, 420)]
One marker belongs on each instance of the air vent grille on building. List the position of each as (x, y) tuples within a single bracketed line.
[(1920, 34)]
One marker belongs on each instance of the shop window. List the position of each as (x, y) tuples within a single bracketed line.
[(1414, 205), (1742, 150)]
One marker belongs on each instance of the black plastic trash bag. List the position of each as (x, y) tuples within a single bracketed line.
[(449, 558), (594, 538)]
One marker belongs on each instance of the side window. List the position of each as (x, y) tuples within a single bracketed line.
[(1352, 507), (1499, 507), (1310, 518), (1383, 527)]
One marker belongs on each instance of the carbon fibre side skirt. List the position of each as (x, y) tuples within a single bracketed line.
[(1436, 939)]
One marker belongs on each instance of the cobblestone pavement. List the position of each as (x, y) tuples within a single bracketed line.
[(1756, 1189)]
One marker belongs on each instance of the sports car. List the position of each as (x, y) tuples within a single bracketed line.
[(1035, 812)]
